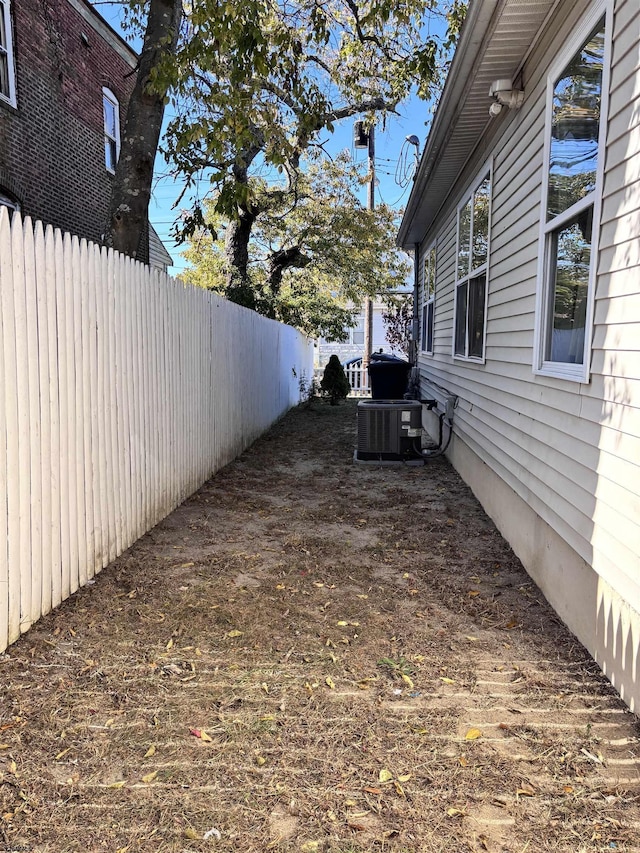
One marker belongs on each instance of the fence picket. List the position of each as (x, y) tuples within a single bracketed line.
[(6, 404), (24, 454), (94, 563)]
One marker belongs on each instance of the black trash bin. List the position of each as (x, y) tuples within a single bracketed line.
[(389, 376)]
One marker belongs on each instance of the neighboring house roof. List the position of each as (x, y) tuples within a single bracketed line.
[(158, 255), (113, 39), (496, 38)]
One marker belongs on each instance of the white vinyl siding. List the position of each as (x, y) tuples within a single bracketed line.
[(7, 72), (570, 450)]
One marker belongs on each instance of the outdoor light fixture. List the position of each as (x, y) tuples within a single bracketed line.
[(504, 95)]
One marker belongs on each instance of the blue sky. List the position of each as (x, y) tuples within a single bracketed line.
[(390, 147)]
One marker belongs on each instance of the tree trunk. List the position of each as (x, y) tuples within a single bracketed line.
[(282, 260), (134, 172), (236, 246)]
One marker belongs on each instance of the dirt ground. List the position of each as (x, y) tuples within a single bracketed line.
[(311, 655)]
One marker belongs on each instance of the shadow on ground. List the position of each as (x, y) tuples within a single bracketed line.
[(311, 655)]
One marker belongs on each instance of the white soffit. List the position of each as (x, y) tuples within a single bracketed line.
[(495, 39)]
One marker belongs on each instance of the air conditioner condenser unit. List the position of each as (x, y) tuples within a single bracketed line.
[(389, 429)]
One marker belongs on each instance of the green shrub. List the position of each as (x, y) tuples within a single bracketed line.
[(334, 384)]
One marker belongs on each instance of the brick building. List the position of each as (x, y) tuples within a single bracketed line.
[(65, 81)]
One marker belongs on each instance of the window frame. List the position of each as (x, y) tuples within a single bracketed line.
[(9, 201), (551, 227), (428, 300), (108, 95), (472, 274), (358, 330), (5, 12)]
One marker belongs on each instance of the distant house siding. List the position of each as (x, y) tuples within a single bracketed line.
[(569, 450), (52, 144)]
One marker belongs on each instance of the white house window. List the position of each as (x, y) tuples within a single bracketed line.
[(111, 110), (356, 334), (471, 269), (576, 118), (7, 74), (428, 301)]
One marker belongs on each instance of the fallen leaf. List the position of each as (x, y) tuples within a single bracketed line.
[(404, 778), (462, 761), (447, 680), (329, 682), (264, 686), (169, 644), (525, 791), (149, 777), (60, 754), (342, 623), (232, 634), (372, 790), (472, 639), (119, 784), (568, 789), (385, 775), (407, 680), (399, 788), (151, 751), (260, 760), (511, 624), (456, 812), (205, 737), (473, 734), (191, 834), (473, 592)]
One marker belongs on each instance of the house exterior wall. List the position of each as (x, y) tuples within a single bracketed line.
[(52, 143), (556, 462), (354, 347)]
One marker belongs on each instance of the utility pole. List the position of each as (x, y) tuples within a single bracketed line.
[(371, 203)]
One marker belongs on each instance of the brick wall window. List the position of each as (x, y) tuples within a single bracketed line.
[(9, 201), (111, 110), (7, 73)]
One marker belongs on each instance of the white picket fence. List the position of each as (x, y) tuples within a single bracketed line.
[(358, 378), (121, 392)]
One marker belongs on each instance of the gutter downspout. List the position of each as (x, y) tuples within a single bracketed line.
[(415, 323)]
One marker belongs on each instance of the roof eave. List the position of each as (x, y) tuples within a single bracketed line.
[(467, 54)]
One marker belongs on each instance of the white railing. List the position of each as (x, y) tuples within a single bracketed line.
[(358, 378), (121, 392)]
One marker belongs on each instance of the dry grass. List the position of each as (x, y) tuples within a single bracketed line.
[(296, 660)]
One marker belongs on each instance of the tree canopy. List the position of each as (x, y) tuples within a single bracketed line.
[(308, 259), (255, 84)]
